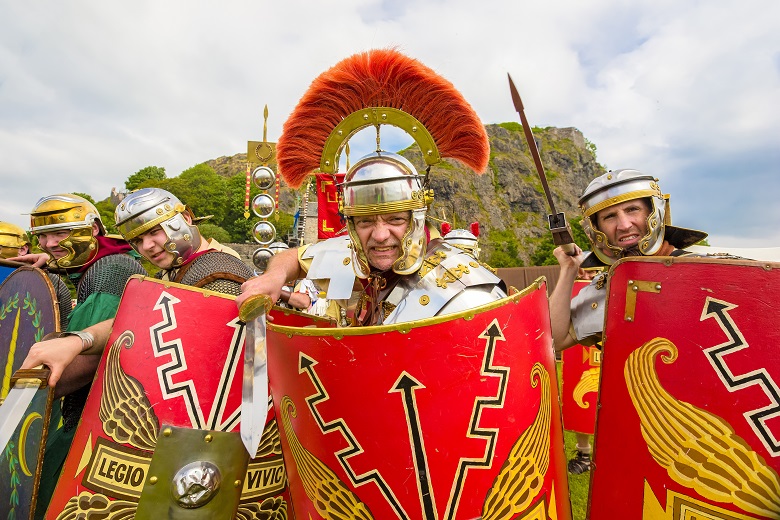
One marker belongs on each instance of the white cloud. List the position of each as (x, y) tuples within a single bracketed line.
[(91, 92)]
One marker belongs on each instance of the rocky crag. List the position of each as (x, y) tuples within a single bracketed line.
[(508, 200)]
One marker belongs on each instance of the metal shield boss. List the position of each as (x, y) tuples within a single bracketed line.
[(453, 417), (689, 418), (159, 433), (28, 312), (580, 389)]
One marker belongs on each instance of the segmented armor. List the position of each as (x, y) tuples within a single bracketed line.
[(449, 280)]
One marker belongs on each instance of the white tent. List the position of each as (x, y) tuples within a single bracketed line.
[(771, 254)]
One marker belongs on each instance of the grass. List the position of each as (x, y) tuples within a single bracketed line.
[(578, 484)]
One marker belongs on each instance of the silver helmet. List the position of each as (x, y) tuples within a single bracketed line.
[(619, 186), (146, 208), (381, 183), (615, 187), (68, 212)]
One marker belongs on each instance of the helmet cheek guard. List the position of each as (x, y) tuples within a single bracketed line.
[(67, 212), (81, 247), (147, 208), (613, 188), (382, 183)]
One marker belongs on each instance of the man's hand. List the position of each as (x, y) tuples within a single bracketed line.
[(56, 354), (566, 261), (34, 259), (282, 268), (266, 284), (560, 299)]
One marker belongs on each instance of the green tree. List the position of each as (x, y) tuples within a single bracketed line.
[(150, 173), (543, 254), (210, 230), (240, 227), (85, 196), (106, 210), (504, 249), (205, 191)]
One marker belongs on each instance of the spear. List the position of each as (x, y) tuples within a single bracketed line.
[(560, 229)]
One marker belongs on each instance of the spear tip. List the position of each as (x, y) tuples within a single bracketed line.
[(515, 94)]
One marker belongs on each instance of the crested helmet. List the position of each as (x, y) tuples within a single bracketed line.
[(382, 183)]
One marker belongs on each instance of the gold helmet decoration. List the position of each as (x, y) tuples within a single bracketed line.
[(615, 187), (68, 212), (12, 239), (375, 88)]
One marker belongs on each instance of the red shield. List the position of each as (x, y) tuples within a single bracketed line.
[(453, 417), (295, 318), (581, 368), (175, 358), (689, 418)]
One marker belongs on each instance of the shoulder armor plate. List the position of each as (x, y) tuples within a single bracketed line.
[(450, 280)]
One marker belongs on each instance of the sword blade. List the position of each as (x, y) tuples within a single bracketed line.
[(12, 410), (254, 393)]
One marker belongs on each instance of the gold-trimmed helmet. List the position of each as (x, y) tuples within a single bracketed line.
[(12, 239), (385, 87), (615, 187), (146, 208), (68, 212), (382, 183)]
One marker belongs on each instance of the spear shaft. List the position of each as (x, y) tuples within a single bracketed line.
[(557, 221)]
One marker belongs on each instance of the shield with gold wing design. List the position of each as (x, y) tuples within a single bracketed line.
[(453, 417), (28, 312), (580, 389), (159, 432), (689, 418)]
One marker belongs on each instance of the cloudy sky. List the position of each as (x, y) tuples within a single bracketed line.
[(688, 91)]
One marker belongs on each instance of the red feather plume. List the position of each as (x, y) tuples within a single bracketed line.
[(380, 78)]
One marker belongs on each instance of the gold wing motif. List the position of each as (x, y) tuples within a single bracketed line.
[(273, 508), (87, 506), (271, 442), (125, 411), (522, 475), (329, 495), (589, 382), (698, 449)]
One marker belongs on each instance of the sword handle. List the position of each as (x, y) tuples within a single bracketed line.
[(38, 376), (254, 306), (569, 249), (561, 232)]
